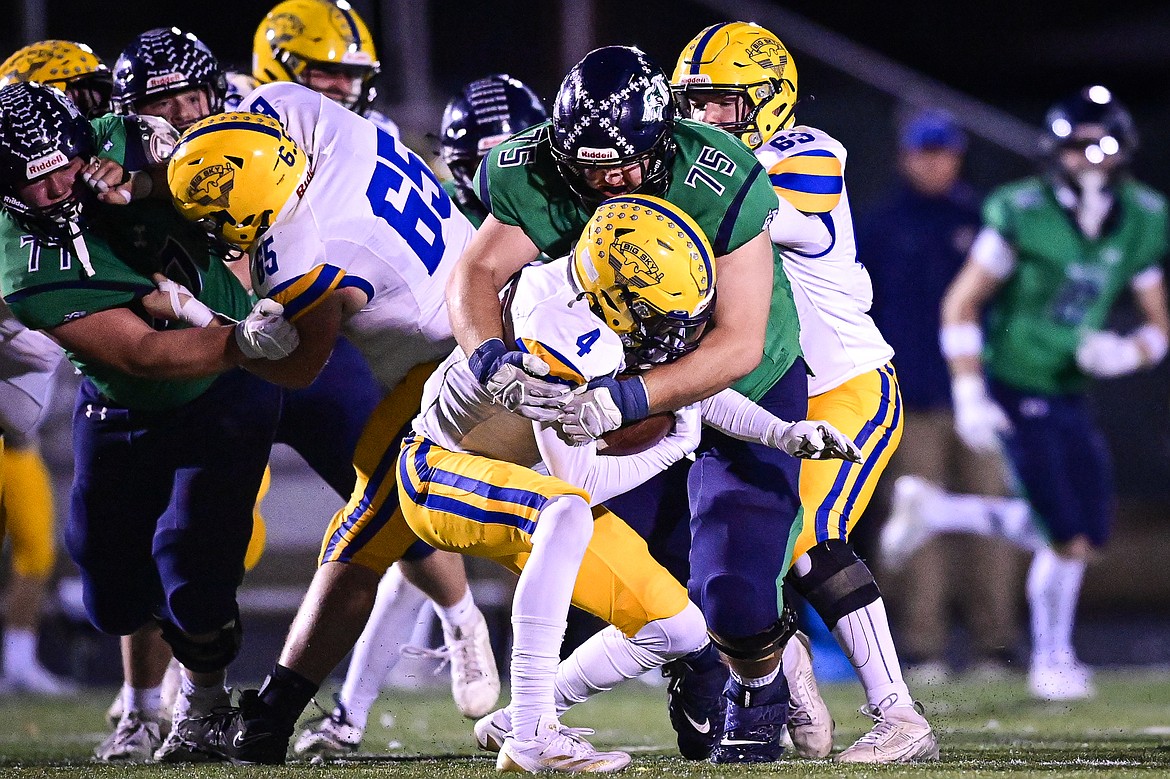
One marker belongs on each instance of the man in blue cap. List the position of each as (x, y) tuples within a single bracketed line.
[(913, 244)]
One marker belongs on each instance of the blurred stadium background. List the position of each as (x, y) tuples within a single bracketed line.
[(997, 65)]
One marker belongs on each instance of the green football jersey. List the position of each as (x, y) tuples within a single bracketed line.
[(1063, 283), (472, 214), (714, 178), (47, 286)]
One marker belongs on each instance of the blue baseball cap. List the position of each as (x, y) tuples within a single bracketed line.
[(933, 129)]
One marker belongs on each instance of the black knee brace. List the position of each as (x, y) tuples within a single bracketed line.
[(763, 644), (839, 582), (207, 656)]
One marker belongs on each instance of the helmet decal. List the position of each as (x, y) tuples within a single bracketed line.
[(212, 185)]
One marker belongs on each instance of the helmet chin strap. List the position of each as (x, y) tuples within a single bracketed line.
[(1094, 202)]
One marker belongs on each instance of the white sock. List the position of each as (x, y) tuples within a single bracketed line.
[(1007, 518), (145, 701), (757, 681), (378, 649), (864, 635), (196, 701), (462, 615), (540, 608), (1054, 586), (609, 657), (20, 650)]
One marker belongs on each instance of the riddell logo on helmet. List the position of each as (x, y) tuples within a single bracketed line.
[(164, 80), (490, 142), (42, 165), (587, 153), (695, 78)]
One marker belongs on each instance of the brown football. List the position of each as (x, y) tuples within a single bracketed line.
[(637, 436)]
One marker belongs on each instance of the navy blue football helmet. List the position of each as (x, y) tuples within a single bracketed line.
[(162, 61), (614, 108), (1094, 121), (486, 112), (41, 130)]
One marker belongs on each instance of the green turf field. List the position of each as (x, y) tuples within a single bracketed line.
[(990, 729)]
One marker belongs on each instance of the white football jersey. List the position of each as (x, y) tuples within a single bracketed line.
[(28, 363), (372, 216), (546, 320), (814, 231)]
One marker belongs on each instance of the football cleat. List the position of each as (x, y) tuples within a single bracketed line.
[(134, 740), (754, 723), (556, 748), (900, 735), (906, 529), (810, 725), (695, 700), (1060, 678), (332, 735), (35, 679), (475, 680), (246, 734), (490, 731)]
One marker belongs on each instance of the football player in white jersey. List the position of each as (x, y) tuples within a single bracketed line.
[(644, 269), (353, 231), (740, 77)]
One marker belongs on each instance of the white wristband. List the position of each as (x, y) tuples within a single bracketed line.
[(964, 339), (1153, 343)]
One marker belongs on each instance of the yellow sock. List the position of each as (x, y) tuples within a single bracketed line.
[(27, 501), (259, 530)]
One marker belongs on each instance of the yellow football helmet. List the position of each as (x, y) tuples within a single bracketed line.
[(648, 270), (300, 37), (71, 67), (747, 61), (232, 173)]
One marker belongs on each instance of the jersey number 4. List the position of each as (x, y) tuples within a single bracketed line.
[(405, 194)]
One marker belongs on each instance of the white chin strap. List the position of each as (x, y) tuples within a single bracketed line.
[(82, 251), (1094, 203)]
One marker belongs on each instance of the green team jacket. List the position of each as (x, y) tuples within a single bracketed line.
[(46, 286), (1063, 284), (713, 178)]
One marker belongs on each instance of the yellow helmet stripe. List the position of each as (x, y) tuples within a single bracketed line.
[(697, 57), (561, 370), (254, 126), (701, 244)]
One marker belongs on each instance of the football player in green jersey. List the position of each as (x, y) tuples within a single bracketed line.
[(168, 453), (1054, 254), (614, 133)]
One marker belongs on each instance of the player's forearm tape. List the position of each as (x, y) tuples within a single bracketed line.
[(1153, 342), (960, 340)]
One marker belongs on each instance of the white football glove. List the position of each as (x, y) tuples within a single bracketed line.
[(811, 440), (265, 333), (516, 381), (186, 306), (1106, 354), (688, 427), (979, 420), (589, 414)]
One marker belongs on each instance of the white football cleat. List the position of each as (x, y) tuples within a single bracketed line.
[(810, 725), (900, 735), (332, 736), (134, 740), (907, 527), (1060, 678), (35, 679), (490, 731), (556, 749), (475, 681)]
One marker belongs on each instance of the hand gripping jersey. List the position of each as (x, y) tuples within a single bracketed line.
[(372, 216), (813, 231), (1062, 283), (714, 178), (46, 286)]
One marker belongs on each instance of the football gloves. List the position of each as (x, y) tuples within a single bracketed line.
[(516, 381), (602, 405), (265, 333), (979, 420), (812, 440)]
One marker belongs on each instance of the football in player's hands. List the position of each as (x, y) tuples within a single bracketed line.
[(636, 437)]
